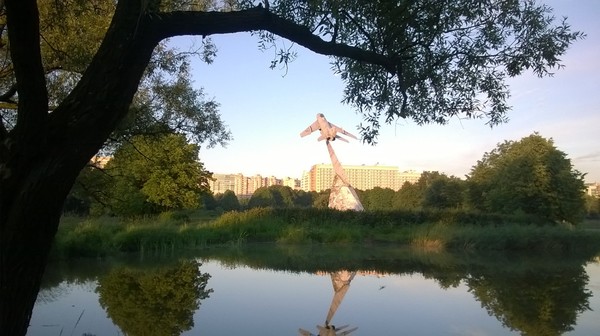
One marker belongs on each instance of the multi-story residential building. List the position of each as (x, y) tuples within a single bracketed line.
[(593, 189), (291, 182), (255, 182), (411, 176), (222, 182), (320, 177), (243, 185)]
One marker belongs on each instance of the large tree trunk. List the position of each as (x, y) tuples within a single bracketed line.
[(42, 156), (26, 240)]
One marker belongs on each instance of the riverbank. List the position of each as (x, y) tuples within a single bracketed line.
[(437, 230)]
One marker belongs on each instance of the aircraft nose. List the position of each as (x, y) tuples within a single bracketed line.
[(320, 115)]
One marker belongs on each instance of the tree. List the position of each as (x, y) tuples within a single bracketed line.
[(154, 174), (408, 197), (424, 60), (228, 201), (208, 201), (444, 192), (592, 206), (528, 176), (378, 198), (303, 199)]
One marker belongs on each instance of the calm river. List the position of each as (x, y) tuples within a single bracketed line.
[(316, 290)]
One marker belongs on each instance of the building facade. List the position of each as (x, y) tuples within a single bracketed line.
[(593, 189), (246, 185), (320, 177)]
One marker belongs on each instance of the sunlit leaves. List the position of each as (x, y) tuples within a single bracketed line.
[(528, 176), (157, 173)]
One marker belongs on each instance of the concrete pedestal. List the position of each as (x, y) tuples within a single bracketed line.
[(344, 197)]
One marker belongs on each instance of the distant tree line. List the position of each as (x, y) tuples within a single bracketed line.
[(530, 176)]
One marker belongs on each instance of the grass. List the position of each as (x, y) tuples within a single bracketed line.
[(430, 230)]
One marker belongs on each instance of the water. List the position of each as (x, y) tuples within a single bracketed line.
[(269, 290)]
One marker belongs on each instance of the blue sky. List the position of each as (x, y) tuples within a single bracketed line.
[(267, 109)]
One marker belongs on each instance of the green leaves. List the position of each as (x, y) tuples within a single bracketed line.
[(152, 174), (443, 58), (528, 176)]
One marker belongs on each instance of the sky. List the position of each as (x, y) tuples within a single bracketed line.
[(265, 110)]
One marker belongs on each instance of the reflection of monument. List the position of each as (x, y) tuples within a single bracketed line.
[(341, 283), (343, 196)]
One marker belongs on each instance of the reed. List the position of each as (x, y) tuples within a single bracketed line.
[(97, 237)]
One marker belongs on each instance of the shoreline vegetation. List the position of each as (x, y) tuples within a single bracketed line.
[(172, 232)]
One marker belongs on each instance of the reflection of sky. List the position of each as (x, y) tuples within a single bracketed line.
[(273, 303), (588, 323), (59, 314), (265, 302)]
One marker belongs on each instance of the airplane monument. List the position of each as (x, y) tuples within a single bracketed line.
[(343, 196), (341, 283)]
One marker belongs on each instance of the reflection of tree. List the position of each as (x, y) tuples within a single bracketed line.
[(533, 302), (157, 302)]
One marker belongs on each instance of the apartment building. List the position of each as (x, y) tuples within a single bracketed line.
[(593, 189), (320, 177), (246, 185)]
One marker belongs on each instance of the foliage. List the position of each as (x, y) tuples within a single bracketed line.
[(450, 230), (592, 206), (377, 198), (408, 197), (321, 199), (208, 201), (529, 176), (278, 196), (151, 174), (441, 57), (228, 201), (154, 302), (444, 193)]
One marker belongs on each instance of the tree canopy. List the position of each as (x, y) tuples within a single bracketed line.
[(423, 60), (530, 176), (151, 174)]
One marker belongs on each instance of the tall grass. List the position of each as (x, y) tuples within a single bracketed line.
[(97, 237)]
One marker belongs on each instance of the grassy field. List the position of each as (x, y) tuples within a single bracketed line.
[(438, 230)]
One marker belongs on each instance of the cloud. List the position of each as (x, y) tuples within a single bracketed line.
[(595, 156)]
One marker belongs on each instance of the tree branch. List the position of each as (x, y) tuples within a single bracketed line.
[(23, 19), (5, 97), (164, 25)]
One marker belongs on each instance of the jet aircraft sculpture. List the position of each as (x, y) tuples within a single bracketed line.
[(328, 130), (342, 196)]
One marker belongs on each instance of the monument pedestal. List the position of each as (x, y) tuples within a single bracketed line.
[(343, 196)]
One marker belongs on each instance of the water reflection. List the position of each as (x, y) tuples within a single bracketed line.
[(527, 294), (533, 302), (341, 283), (159, 301)]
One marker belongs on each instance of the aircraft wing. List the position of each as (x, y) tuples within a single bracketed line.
[(341, 130), (340, 138), (313, 127)]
